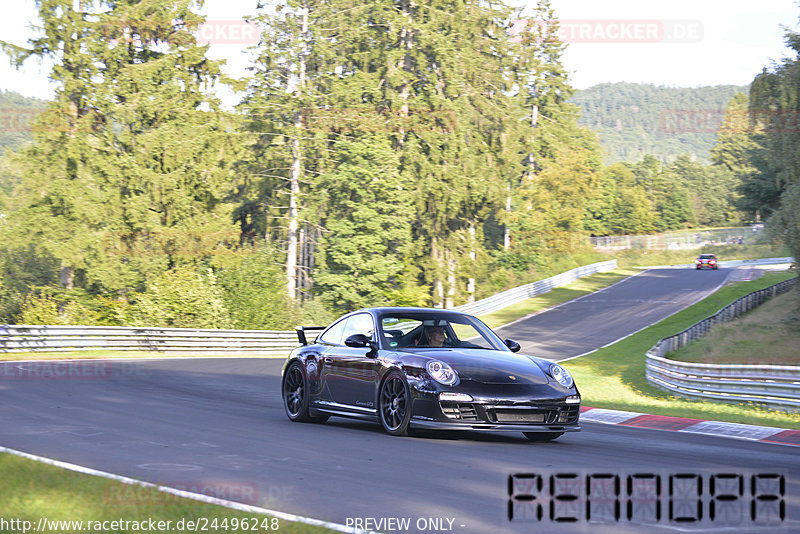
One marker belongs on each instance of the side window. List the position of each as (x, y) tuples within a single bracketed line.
[(359, 324), (333, 335)]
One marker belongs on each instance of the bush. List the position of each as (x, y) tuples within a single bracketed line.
[(48, 306), (181, 298), (254, 291)]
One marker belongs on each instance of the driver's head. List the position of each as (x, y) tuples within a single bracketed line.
[(435, 335)]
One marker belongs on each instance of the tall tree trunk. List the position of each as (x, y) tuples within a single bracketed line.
[(296, 170), (449, 302), (506, 230), (66, 276), (294, 193), (406, 42), (438, 287), (531, 158), (472, 256)]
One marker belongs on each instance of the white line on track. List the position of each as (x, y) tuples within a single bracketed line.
[(186, 494)]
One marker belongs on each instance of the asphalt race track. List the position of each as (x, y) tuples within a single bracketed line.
[(219, 424), (603, 317)]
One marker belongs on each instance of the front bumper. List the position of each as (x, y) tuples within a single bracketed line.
[(513, 415), (445, 425)]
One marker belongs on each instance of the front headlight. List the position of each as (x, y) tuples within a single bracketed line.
[(441, 372), (561, 375)]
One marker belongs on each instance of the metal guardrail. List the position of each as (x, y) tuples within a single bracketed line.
[(43, 338), (38, 338), (518, 294), (777, 386)]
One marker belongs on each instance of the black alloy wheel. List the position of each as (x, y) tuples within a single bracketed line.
[(394, 404), (295, 395)]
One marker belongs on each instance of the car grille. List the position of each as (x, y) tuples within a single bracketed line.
[(542, 415), (462, 412), (563, 414), (569, 413), (525, 415)]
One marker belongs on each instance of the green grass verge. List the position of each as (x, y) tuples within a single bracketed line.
[(770, 330), (614, 377), (33, 490)]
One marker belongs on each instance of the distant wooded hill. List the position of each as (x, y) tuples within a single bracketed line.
[(637, 119), (16, 113)]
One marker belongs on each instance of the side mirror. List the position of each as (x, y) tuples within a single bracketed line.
[(360, 341), (357, 341), (512, 345)]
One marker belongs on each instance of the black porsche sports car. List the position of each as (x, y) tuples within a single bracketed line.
[(426, 368)]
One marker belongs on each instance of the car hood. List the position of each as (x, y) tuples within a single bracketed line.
[(489, 366)]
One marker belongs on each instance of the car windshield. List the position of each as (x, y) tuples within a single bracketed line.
[(706, 256), (430, 329)]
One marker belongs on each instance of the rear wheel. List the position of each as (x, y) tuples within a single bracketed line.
[(543, 436), (296, 395), (394, 404)]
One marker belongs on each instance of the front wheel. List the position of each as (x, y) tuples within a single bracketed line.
[(296, 395), (543, 436), (394, 404)]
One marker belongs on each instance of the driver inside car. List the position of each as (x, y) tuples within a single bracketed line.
[(435, 336)]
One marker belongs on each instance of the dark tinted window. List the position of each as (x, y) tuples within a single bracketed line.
[(427, 329)]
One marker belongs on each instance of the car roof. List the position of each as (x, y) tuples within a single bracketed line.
[(406, 309)]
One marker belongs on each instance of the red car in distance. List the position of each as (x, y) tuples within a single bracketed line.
[(708, 261)]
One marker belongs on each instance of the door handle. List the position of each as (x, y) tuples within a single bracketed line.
[(327, 360)]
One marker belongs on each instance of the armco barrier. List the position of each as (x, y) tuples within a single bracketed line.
[(38, 338), (35, 338), (777, 386), (518, 294)]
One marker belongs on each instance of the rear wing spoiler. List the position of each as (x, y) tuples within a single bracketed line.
[(301, 332)]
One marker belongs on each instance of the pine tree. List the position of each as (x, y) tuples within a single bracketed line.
[(132, 163)]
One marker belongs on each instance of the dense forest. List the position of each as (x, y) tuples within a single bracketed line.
[(634, 120), (385, 153)]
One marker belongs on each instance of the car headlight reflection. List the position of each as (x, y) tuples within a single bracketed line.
[(561, 375), (441, 372)]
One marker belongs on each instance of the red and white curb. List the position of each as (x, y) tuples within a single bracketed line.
[(783, 436)]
